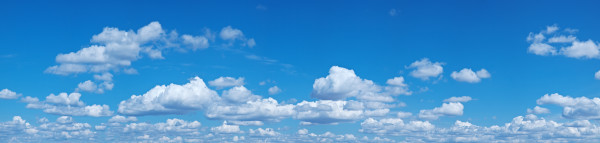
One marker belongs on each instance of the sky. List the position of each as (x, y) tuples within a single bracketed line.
[(299, 71)]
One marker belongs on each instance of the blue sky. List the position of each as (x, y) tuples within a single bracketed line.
[(310, 71)]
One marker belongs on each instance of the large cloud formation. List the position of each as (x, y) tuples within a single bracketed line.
[(171, 99)]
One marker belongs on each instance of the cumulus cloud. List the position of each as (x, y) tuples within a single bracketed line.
[(425, 69), (394, 126), (195, 42), (7, 94), (574, 108), (538, 110), (447, 109), (232, 34), (274, 90), (397, 86), (263, 132), (223, 82), (401, 114), (122, 119), (458, 99), (67, 104), (568, 44), (528, 128), (328, 112), (226, 129), (170, 99), (467, 75), (342, 83), (116, 49), (253, 110)]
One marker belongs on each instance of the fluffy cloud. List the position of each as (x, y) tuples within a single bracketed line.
[(328, 112), (116, 48), (467, 75), (528, 128), (274, 90), (396, 86), (394, 126), (574, 108), (7, 94), (122, 119), (263, 132), (570, 45), (458, 99), (403, 114), (226, 129), (253, 110), (195, 42), (231, 34), (170, 99), (425, 69), (105, 80), (342, 83), (222, 82), (447, 109), (538, 110), (67, 104)]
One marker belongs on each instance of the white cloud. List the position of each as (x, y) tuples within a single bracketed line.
[(239, 94), (229, 33), (65, 99), (7, 94), (64, 119), (538, 110), (562, 39), (223, 82), (582, 49), (425, 69), (88, 86), (302, 131), (226, 129), (401, 114), (274, 90), (570, 45), (342, 83), (467, 75), (122, 119), (263, 132), (377, 112), (253, 110), (195, 42), (396, 86), (247, 123), (458, 99), (542, 49), (597, 75), (327, 112), (67, 104), (103, 77), (170, 126), (170, 99), (116, 49), (574, 108), (394, 126), (447, 109)]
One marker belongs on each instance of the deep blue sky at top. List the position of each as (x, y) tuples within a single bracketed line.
[(312, 36)]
